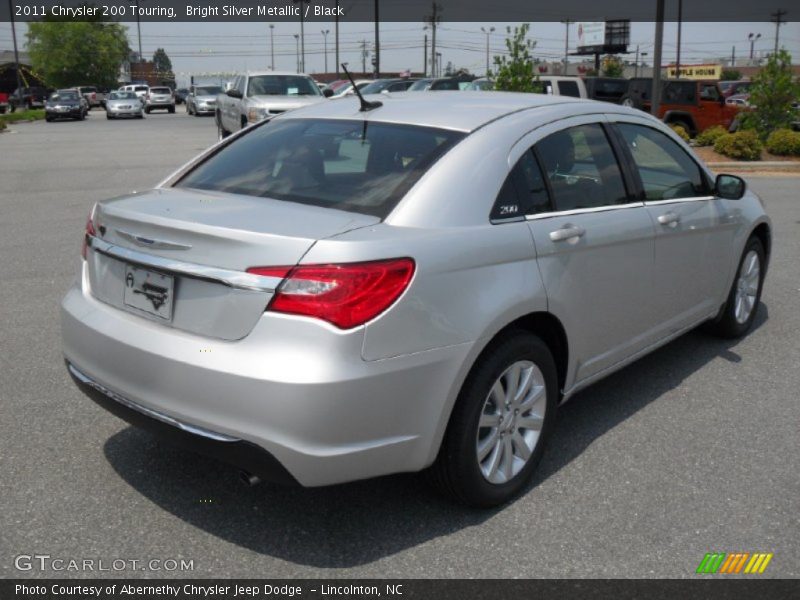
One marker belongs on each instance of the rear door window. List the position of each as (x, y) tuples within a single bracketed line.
[(581, 168), (524, 192), (569, 88), (667, 172)]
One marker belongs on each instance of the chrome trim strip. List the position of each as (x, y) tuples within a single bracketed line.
[(234, 279), (212, 435), (151, 243), (677, 200), (580, 211)]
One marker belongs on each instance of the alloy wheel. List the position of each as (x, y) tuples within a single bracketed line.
[(747, 287), (511, 422)]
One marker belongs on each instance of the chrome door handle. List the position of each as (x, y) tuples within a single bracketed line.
[(567, 233), (669, 218)]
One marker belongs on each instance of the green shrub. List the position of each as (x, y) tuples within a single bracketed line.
[(710, 136), (681, 131), (742, 145), (2, 125), (784, 142)]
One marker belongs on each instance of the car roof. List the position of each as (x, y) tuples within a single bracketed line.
[(258, 73), (458, 110)]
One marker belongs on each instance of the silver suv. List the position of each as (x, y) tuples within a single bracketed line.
[(159, 98), (413, 283)]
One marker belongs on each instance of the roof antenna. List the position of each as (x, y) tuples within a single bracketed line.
[(365, 106)]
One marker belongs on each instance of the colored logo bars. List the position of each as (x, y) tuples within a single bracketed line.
[(736, 562)]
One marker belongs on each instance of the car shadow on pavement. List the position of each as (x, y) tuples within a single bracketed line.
[(355, 524)]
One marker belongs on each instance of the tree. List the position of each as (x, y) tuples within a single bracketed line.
[(162, 64), (730, 75), (612, 67), (67, 53), (515, 72), (772, 94)]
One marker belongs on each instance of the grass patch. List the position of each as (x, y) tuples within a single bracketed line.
[(36, 114)]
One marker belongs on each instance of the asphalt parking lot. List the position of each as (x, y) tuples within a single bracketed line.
[(691, 450)]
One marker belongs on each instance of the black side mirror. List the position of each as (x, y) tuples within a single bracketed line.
[(729, 187), (234, 93), (327, 92)]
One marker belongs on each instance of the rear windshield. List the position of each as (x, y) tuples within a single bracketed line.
[(141, 88), (349, 165), (160, 91)]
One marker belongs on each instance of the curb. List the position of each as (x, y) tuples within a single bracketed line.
[(756, 165)]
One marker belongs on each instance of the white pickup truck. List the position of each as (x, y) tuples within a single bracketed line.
[(253, 97)]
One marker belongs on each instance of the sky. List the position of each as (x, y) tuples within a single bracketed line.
[(207, 47)]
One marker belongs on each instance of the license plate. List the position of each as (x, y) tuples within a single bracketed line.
[(149, 291)]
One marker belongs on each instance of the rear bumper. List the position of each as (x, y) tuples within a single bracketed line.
[(295, 389), (239, 453)]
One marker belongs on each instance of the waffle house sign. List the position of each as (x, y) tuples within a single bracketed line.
[(695, 72)]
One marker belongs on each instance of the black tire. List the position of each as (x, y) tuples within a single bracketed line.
[(108, 116), (12, 108), (49, 119), (726, 325), (456, 471), (147, 110), (171, 110)]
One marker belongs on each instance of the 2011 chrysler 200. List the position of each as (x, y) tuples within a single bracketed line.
[(351, 290)]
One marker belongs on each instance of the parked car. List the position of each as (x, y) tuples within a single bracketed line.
[(66, 104), (482, 84), (694, 105), (387, 85), (124, 105), (159, 98), (202, 99), (742, 100), (262, 95), (563, 86), (347, 90), (180, 95), (439, 84), (3, 103), (92, 95), (389, 308), (28, 97), (141, 90), (606, 89)]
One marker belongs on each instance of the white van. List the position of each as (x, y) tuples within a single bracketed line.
[(564, 86), (140, 89)]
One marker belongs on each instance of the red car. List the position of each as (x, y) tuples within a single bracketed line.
[(3, 103)]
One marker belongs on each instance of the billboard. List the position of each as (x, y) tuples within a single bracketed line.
[(591, 33)]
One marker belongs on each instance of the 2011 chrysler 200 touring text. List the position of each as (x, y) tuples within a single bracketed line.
[(340, 293)]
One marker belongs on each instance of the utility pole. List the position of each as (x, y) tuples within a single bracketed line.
[(566, 22), (424, 57), (139, 31), (488, 32), (337, 39), (655, 104), (777, 18), (363, 56), (325, 33), (272, 45), (377, 57), (16, 50), (636, 63), (678, 56), (297, 51), (433, 20), (733, 56)]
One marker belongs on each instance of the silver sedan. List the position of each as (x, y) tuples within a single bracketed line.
[(202, 100), (414, 283), (124, 105)]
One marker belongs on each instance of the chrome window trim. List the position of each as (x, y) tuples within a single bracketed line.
[(149, 412), (234, 279), (675, 200), (580, 211)]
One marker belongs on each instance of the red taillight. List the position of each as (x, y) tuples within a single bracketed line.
[(87, 232), (346, 295)]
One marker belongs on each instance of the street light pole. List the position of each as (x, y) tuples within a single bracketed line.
[(302, 68), (655, 105), (325, 33), (272, 45), (566, 45), (139, 31), (488, 32), (753, 37), (678, 55), (424, 56), (336, 35), (297, 51), (377, 41)]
